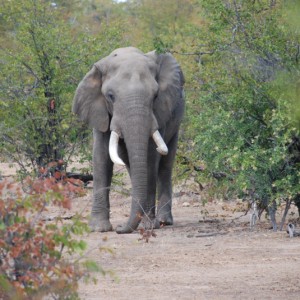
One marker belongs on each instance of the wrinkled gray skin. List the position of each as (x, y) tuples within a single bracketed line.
[(133, 94)]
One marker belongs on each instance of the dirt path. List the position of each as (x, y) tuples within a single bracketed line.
[(219, 258), (216, 259)]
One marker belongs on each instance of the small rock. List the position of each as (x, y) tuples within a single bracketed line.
[(185, 204)]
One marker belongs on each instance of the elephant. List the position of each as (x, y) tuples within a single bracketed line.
[(134, 102)]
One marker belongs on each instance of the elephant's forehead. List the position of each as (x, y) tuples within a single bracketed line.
[(129, 64), (126, 50), (129, 59)]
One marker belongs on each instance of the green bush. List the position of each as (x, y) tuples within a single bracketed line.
[(247, 135), (45, 56)]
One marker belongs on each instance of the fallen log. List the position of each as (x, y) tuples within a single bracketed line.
[(85, 178)]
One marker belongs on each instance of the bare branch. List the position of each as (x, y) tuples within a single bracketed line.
[(197, 53)]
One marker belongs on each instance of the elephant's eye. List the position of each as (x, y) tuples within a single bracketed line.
[(110, 97)]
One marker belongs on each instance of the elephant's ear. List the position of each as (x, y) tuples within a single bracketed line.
[(170, 80), (89, 103)]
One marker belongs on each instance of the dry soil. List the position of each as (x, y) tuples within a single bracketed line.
[(209, 253)]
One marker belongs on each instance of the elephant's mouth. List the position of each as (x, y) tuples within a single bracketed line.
[(114, 141)]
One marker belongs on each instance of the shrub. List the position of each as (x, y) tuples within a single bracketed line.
[(247, 134), (35, 254), (44, 55)]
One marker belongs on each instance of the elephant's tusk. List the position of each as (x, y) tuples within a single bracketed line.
[(113, 149), (161, 145)]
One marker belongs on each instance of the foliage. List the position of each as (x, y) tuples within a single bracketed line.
[(46, 54), (247, 136), (160, 23), (36, 256), (241, 65)]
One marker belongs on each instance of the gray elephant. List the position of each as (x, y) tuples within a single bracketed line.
[(134, 102)]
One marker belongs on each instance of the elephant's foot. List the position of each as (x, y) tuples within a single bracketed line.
[(125, 228), (96, 224), (165, 218)]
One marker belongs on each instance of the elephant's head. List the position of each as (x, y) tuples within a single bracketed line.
[(132, 94)]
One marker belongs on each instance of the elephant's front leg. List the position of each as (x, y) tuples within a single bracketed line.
[(102, 173), (164, 208), (149, 221)]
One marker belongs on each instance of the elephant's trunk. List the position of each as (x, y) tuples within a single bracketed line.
[(136, 132)]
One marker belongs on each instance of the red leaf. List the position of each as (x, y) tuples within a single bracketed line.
[(57, 175)]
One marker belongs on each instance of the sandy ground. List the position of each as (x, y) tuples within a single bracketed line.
[(209, 253), (219, 258)]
